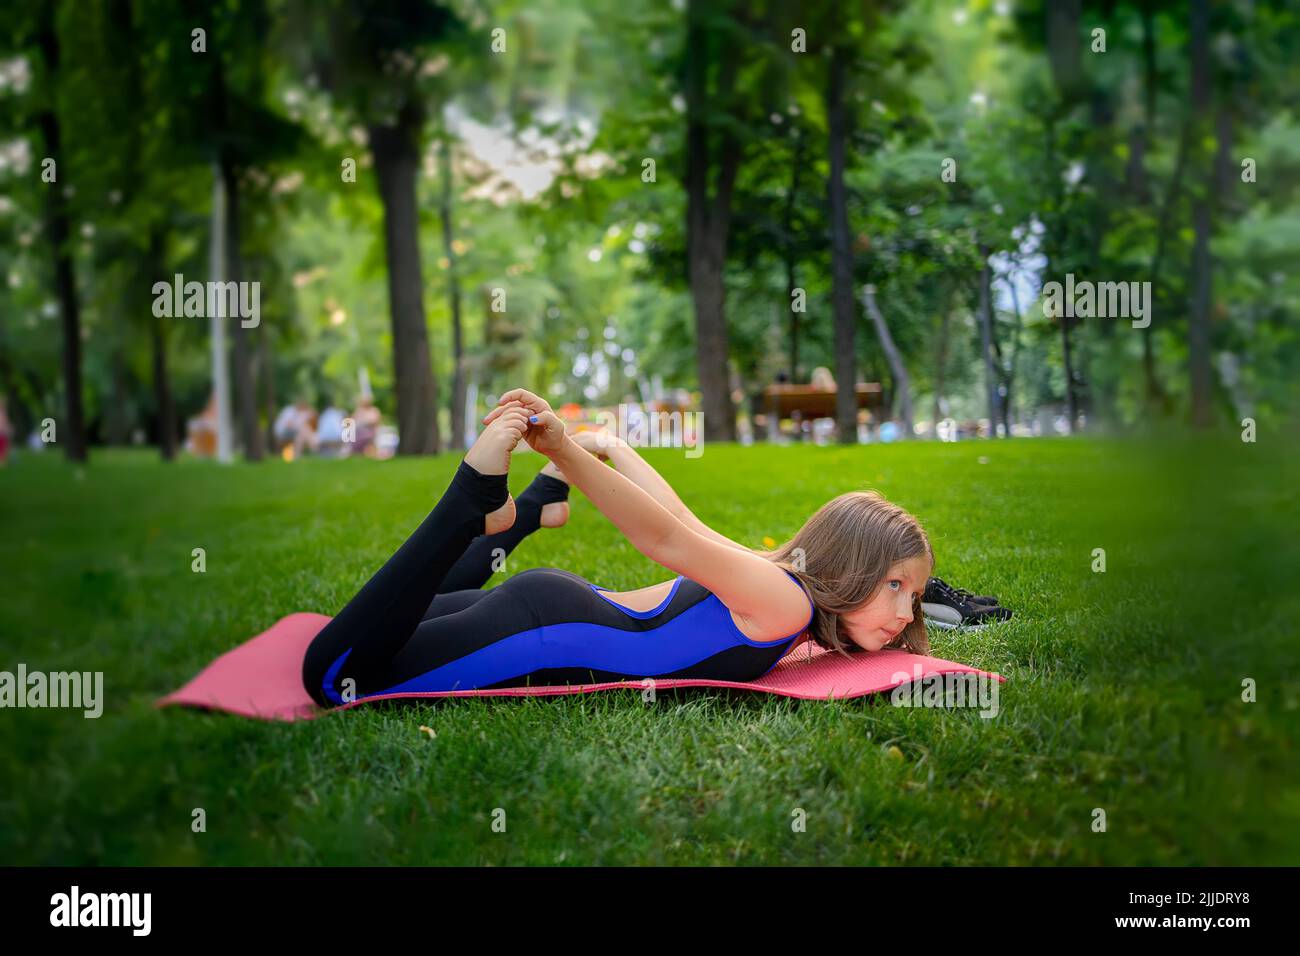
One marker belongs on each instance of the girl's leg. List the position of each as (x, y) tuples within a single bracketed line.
[(359, 644), (461, 588), (375, 625), (482, 559), (450, 602)]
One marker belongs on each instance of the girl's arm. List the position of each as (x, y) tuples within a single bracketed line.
[(626, 459), (753, 588)]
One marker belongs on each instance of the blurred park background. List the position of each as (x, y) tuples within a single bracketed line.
[(694, 205)]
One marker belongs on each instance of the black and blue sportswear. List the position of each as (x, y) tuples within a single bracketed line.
[(422, 624)]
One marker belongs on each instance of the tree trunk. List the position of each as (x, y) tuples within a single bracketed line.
[(397, 161), (1071, 402), (794, 319), (1065, 45), (162, 390), (219, 351), (1198, 331), (72, 430), (1010, 377), (266, 371), (1101, 399), (796, 166), (116, 427), (846, 375), (708, 221), (940, 361), (1056, 241), (1143, 134), (711, 345), (1155, 391), (151, 265), (250, 436), (902, 381), (1135, 172), (453, 296), (986, 341)]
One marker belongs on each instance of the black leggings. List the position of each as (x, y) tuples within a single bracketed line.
[(437, 571)]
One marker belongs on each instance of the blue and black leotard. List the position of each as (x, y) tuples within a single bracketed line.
[(422, 624)]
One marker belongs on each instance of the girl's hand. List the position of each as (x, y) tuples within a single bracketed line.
[(545, 432), (521, 396)]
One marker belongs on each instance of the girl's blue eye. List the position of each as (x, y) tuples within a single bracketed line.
[(892, 583)]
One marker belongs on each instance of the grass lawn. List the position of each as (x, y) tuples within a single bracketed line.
[(1124, 690)]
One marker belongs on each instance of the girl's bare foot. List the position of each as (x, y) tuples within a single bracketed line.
[(490, 455), (556, 513), (501, 519)]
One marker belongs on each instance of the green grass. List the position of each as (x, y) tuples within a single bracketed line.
[(1123, 691)]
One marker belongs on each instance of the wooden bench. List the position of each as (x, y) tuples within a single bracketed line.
[(800, 402)]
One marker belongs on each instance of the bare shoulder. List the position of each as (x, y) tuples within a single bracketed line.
[(766, 603), (788, 614)]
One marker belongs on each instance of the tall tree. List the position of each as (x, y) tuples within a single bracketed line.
[(714, 152), (58, 232), (897, 366), (1064, 49), (1198, 329), (789, 245), (245, 138), (446, 212), (372, 57), (986, 338), (846, 366)]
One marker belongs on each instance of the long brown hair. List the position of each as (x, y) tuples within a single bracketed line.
[(842, 556)]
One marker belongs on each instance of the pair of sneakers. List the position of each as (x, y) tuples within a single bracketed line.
[(948, 607)]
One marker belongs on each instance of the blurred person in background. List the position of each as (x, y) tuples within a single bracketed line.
[(295, 429), (368, 419), (201, 430), (329, 433)]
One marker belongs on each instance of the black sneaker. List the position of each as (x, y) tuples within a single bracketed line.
[(962, 593), (947, 607)]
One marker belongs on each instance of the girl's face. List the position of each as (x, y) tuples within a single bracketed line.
[(883, 618)]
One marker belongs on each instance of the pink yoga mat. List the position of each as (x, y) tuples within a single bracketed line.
[(263, 676)]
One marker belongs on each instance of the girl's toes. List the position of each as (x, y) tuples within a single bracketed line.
[(490, 453), (501, 519), (555, 514)]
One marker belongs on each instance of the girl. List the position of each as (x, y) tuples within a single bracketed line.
[(853, 575)]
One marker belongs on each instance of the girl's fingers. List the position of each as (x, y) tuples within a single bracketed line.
[(496, 413), (548, 424), (499, 410), (525, 398), (522, 401), (506, 406), (515, 419)]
